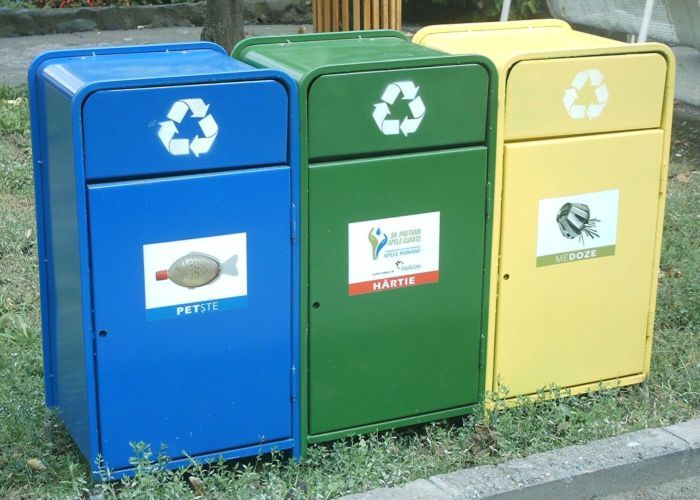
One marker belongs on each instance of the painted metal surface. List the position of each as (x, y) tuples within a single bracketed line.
[(129, 357), (380, 354), (602, 94), (351, 136), (115, 151), (579, 199), (403, 352)]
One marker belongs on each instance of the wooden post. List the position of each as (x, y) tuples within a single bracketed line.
[(326, 15), (356, 14), (336, 15), (346, 15)]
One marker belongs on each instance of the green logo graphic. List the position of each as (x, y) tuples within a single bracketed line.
[(378, 240)]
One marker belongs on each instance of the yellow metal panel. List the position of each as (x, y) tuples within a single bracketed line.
[(577, 322), (502, 42), (507, 44), (584, 95)]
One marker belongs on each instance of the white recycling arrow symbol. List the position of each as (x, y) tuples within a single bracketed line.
[(382, 111), (182, 146), (594, 78)]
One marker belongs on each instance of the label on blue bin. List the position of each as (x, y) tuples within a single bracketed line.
[(198, 276)]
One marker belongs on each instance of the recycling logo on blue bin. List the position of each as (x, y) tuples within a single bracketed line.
[(188, 109)]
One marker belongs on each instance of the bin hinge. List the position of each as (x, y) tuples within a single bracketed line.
[(488, 201), (293, 219), (294, 385)]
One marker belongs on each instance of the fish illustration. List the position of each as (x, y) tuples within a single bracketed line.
[(197, 269), (574, 220)]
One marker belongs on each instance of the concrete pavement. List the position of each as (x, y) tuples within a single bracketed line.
[(16, 53), (628, 466)]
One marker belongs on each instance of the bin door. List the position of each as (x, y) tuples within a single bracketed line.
[(192, 297), (397, 252), (578, 232)]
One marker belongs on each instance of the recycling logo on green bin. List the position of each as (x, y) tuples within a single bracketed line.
[(389, 124), (169, 134), (572, 99)]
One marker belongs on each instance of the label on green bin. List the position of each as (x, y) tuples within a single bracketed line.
[(577, 227), (397, 252)]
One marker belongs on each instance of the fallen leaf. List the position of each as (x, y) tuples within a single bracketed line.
[(36, 465), (485, 433), (197, 485), (684, 178)]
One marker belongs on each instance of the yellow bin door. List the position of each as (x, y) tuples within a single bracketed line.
[(582, 169)]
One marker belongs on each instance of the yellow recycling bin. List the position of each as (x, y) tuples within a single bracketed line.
[(583, 144)]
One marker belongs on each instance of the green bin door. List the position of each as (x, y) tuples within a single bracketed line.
[(397, 246)]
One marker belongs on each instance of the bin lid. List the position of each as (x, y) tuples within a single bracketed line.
[(506, 42), (74, 70), (300, 55)]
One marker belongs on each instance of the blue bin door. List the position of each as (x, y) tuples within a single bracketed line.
[(192, 356)]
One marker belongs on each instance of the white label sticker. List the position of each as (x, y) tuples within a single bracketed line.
[(577, 227), (384, 254), (197, 276)]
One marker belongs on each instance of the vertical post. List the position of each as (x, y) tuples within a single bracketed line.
[(367, 14), (356, 14), (375, 15), (385, 14), (315, 10), (505, 11), (399, 8), (646, 21), (346, 15), (326, 15)]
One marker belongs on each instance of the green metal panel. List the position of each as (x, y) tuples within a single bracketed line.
[(348, 101), (308, 58), (399, 352), (301, 55)]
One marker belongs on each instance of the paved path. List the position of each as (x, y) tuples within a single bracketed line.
[(16, 53), (652, 463)]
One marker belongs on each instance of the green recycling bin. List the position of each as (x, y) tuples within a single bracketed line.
[(396, 155)]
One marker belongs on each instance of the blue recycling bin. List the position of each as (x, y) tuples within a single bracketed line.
[(166, 195)]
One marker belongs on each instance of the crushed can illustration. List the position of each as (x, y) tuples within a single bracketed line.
[(574, 221), (197, 269)]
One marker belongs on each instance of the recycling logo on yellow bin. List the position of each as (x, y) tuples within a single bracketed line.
[(382, 115), (572, 96), (169, 134)]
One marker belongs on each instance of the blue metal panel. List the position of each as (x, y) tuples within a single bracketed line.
[(194, 378), (68, 378), (60, 82), (73, 69), (122, 128)]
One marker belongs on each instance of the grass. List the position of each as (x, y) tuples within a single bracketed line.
[(28, 431)]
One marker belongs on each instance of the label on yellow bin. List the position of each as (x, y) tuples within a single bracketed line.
[(577, 227), (397, 252)]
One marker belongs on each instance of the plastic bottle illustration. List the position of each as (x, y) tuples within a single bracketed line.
[(197, 269)]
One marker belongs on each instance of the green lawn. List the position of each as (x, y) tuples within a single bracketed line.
[(28, 431)]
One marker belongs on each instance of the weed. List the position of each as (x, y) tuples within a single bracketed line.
[(28, 431)]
